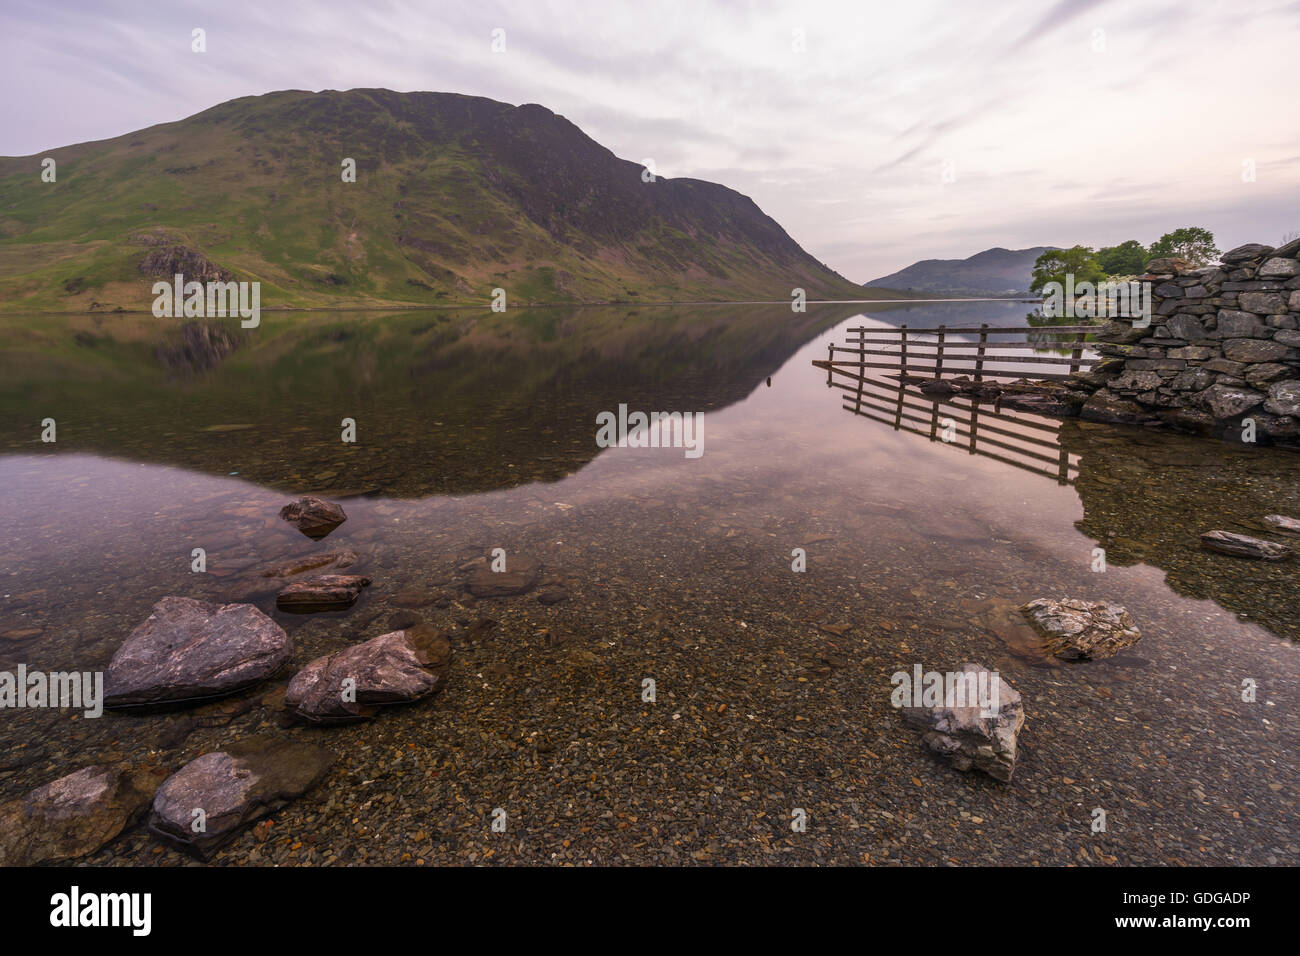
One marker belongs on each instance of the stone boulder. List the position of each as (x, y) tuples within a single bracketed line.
[(190, 650), (325, 592), (1284, 398), (232, 788), (314, 517), (1244, 546), (968, 739), (1106, 406), (1082, 630), (74, 815), (352, 684)]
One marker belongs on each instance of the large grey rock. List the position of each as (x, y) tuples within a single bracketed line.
[(74, 815), (1105, 406), (1251, 250), (325, 592), (352, 684), (1289, 337), (232, 788), (1244, 546), (1228, 401), (1263, 303), (314, 517), (969, 740), (1234, 324), (1253, 350), (1279, 268), (1082, 630), (1186, 327), (189, 650), (1284, 398)]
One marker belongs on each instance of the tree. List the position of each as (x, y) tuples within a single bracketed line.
[(1192, 243), (1055, 264), (1129, 258)]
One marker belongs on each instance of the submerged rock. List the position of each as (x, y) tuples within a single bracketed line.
[(326, 592), (966, 737), (521, 575), (314, 517), (188, 650), (232, 788), (313, 562), (1244, 546), (74, 815), (1082, 630), (352, 684), (1283, 523)]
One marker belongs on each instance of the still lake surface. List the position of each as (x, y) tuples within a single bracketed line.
[(477, 431)]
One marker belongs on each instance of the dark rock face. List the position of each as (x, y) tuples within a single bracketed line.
[(188, 650), (1244, 546), (232, 788), (325, 592), (520, 576), (352, 684), (969, 740), (74, 815), (314, 517), (166, 261), (1082, 630), (1106, 406)]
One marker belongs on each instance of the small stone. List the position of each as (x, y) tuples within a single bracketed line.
[(966, 737), (326, 592), (1244, 546), (314, 517), (1283, 523), (1082, 630)]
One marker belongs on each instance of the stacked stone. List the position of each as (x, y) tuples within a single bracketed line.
[(1223, 346)]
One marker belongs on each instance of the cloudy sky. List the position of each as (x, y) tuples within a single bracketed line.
[(877, 133)]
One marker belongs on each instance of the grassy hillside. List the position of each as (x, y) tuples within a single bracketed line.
[(454, 196), (993, 272)]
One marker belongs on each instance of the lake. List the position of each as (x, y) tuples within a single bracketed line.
[(477, 431)]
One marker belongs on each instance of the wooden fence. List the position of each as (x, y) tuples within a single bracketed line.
[(935, 352)]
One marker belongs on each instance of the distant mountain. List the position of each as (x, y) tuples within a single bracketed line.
[(993, 272), (454, 196)]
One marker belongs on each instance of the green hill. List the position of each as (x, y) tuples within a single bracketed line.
[(454, 196)]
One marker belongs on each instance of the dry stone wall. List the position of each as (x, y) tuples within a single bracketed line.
[(1221, 355)]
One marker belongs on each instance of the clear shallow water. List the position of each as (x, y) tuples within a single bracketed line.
[(477, 431)]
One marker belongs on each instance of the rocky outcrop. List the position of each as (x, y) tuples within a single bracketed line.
[(209, 800), (1244, 546), (189, 650), (352, 684), (314, 517), (968, 739), (74, 815), (1082, 630), (1221, 355), (325, 592)]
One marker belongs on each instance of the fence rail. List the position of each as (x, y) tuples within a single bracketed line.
[(911, 351)]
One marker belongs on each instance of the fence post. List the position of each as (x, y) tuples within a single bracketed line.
[(1076, 352), (903, 354), (979, 355), (938, 365), (830, 369)]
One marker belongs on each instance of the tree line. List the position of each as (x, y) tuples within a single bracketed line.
[(1129, 258)]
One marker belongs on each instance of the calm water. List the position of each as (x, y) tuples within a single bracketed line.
[(477, 431)]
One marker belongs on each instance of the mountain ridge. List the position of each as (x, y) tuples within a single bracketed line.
[(992, 272), (455, 196)]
